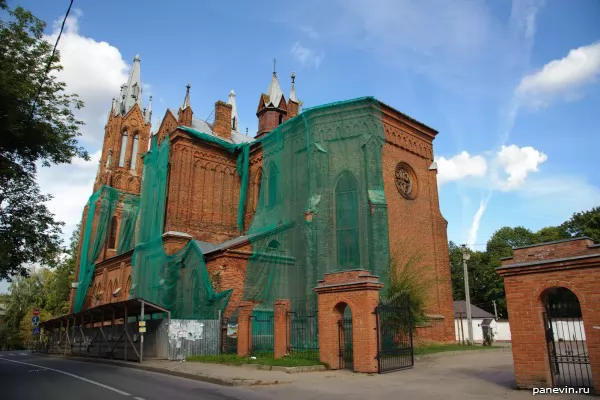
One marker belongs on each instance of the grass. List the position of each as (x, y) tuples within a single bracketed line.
[(233, 359), (439, 348)]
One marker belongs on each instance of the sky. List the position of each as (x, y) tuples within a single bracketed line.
[(512, 87)]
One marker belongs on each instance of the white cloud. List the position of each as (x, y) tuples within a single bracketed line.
[(504, 170), (94, 70), (460, 166), (476, 222), (562, 78), (306, 56), (69, 195), (518, 163)]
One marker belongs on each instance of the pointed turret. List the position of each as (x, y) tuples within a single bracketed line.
[(186, 100), (234, 116), (185, 111), (148, 112), (272, 107), (293, 104), (133, 90), (293, 91)]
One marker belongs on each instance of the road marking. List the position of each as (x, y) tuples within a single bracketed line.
[(72, 376), (138, 398), (22, 354)]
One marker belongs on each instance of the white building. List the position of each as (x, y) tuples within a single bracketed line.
[(480, 320)]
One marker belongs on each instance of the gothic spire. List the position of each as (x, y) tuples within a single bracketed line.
[(133, 89), (234, 116), (293, 91), (148, 112), (274, 91), (186, 100)]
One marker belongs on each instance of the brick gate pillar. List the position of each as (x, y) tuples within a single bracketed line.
[(244, 340), (281, 330), (359, 290)]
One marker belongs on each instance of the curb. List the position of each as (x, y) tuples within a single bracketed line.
[(196, 377), (288, 370)]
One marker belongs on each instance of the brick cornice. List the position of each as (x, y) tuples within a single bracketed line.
[(558, 264)]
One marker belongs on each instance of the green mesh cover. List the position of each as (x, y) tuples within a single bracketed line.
[(321, 205), (129, 215), (180, 281), (101, 208)]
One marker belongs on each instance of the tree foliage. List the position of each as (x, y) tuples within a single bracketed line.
[(48, 131), (486, 286), (45, 289), (37, 126)]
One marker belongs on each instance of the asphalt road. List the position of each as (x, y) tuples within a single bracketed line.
[(25, 376)]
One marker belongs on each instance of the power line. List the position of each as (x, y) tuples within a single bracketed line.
[(62, 27)]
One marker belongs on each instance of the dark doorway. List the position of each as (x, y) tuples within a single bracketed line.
[(345, 338)]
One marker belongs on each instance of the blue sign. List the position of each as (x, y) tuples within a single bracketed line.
[(35, 320), (36, 330)]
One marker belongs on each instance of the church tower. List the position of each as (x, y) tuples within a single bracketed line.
[(126, 136), (272, 107)]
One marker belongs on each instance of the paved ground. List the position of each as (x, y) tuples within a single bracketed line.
[(29, 377), (473, 375)]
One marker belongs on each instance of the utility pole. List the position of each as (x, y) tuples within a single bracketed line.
[(495, 309), (465, 258)]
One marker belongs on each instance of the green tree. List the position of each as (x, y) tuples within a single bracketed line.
[(38, 126), (586, 223), (551, 234), (37, 121)]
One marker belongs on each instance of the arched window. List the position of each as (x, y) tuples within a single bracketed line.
[(346, 221), (134, 153), (112, 235), (234, 124), (280, 119), (273, 245), (123, 149), (272, 197)]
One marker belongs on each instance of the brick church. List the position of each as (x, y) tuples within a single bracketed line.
[(335, 187)]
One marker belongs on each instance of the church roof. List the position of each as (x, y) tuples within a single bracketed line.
[(274, 94), (205, 127)]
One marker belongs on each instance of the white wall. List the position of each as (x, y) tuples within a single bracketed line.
[(501, 330), (570, 329)]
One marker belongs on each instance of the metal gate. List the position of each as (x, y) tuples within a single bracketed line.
[(567, 348), (262, 333), (394, 336), (304, 334), (345, 342)]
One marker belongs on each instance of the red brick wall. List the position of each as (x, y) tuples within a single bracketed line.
[(558, 250), (203, 190), (358, 290), (417, 226), (524, 286), (222, 125), (228, 271)]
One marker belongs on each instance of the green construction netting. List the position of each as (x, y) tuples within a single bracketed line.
[(102, 207), (180, 281), (321, 205)]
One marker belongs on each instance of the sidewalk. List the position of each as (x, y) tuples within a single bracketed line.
[(251, 374)]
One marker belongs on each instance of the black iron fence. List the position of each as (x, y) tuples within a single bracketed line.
[(303, 334), (394, 336)]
